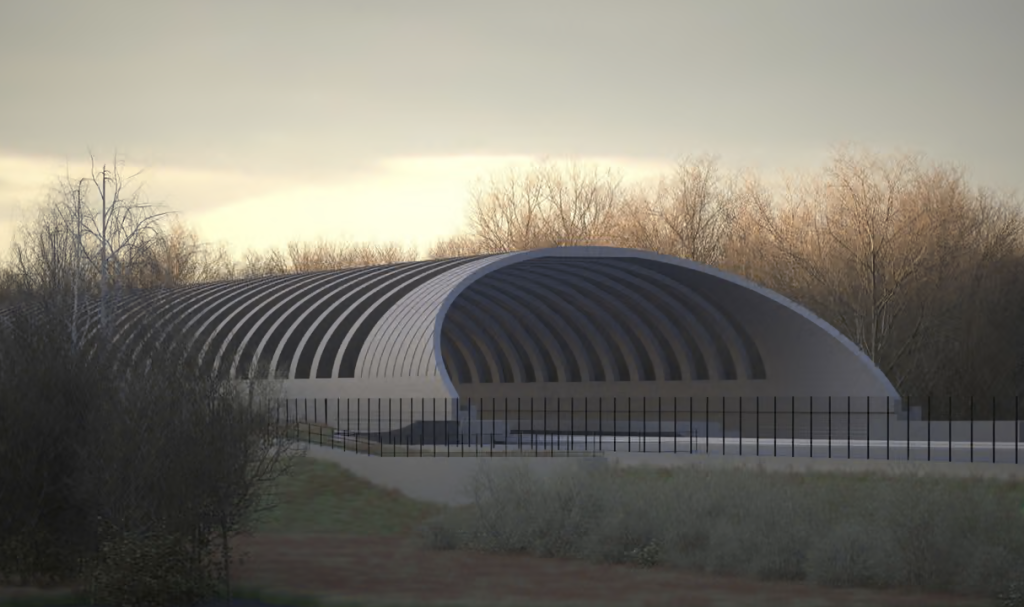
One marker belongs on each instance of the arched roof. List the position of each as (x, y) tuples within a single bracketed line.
[(574, 315)]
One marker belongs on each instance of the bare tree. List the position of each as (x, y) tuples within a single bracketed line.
[(883, 248), (120, 225), (543, 206), (636, 224), (270, 263), (379, 254), (91, 236), (459, 245), (580, 204), (696, 206), (323, 255), (688, 213), (507, 211)]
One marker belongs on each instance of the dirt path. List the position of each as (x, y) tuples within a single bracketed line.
[(396, 569)]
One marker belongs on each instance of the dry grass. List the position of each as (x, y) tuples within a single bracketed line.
[(870, 530)]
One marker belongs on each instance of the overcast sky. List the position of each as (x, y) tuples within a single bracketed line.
[(265, 122)]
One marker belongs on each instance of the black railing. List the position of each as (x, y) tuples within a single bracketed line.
[(805, 427)]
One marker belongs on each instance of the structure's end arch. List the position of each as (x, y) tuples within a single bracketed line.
[(608, 322)]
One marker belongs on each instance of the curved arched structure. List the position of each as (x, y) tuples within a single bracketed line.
[(571, 322)]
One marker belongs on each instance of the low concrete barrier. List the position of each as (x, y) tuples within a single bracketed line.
[(444, 479)]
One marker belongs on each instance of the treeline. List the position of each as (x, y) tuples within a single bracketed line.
[(920, 268)]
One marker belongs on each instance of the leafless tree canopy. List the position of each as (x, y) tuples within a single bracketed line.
[(323, 255), (543, 206)]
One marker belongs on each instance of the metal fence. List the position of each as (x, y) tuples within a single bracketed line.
[(854, 428)]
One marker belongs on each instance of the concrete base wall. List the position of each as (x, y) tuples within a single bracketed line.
[(446, 479)]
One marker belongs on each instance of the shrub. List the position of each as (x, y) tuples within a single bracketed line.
[(152, 569), (849, 556), (899, 529)]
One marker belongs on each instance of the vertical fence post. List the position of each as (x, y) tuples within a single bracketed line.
[(812, 425), (615, 425), (643, 425), (723, 425), (545, 442), (533, 433), (868, 414), (909, 425), (629, 423), (519, 423), (675, 424), (757, 426), (691, 425), (558, 424), (739, 439)]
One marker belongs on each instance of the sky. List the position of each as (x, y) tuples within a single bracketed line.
[(368, 120)]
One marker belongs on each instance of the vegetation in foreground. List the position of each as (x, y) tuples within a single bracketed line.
[(321, 497), (867, 530), (124, 475)]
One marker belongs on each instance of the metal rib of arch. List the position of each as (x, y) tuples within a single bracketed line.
[(302, 326), (618, 320)]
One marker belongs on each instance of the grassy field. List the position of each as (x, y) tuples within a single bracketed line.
[(854, 530), (322, 497)]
